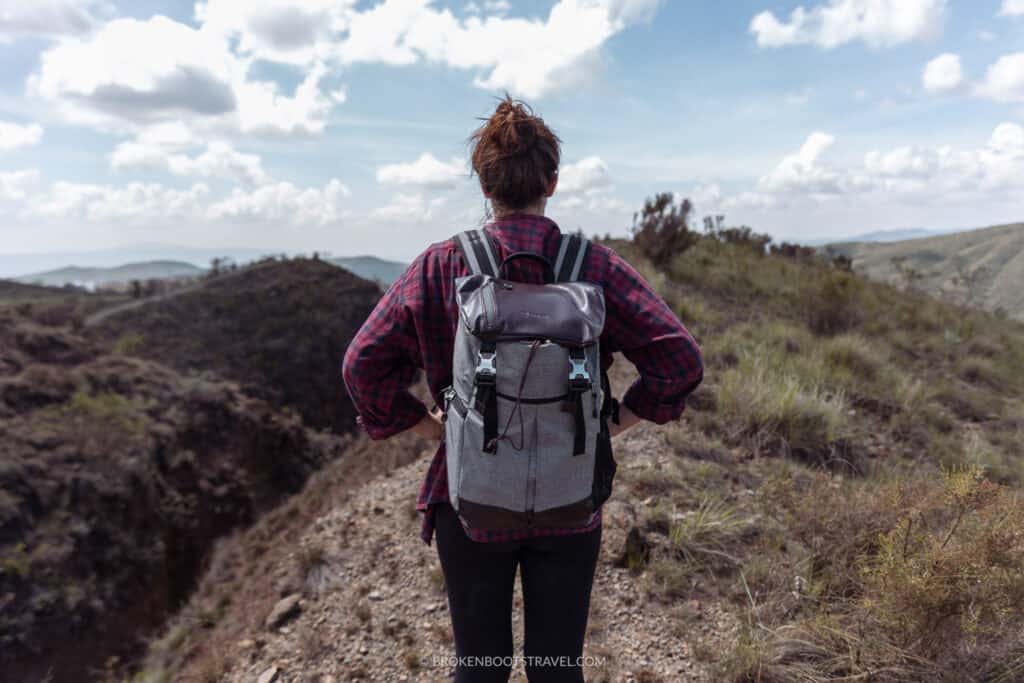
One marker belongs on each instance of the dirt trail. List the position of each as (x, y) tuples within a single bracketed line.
[(101, 315), (374, 607)]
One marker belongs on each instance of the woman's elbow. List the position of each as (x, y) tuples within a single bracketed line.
[(349, 363)]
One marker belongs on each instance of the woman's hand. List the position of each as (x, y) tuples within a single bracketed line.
[(627, 418), (430, 427)]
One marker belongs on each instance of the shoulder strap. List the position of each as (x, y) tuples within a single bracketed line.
[(478, 251), (572, 254)]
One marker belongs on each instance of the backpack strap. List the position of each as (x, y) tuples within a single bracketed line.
[(478, 251), (572, 254)]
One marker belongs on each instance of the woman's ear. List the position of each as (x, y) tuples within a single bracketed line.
[(483, 189), (552, 185)]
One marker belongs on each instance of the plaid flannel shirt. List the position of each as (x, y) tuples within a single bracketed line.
[(413, 327)]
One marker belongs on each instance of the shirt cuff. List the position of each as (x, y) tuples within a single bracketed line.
[(405, 418), (659, 406)]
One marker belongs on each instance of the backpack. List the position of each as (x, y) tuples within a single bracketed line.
[(525, 418)]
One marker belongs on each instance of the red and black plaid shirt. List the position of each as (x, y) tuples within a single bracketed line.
[(413, 327)]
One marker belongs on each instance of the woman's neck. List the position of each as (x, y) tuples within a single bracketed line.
[(534, 209)]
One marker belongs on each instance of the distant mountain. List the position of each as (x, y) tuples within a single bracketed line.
[(17, 265), (880, 236), (894, 235), (371, 267), (981, 267), (86, 276)]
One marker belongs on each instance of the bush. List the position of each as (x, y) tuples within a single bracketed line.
[(776, 407), (832, 302), (742, 236), (661, 229), (128, 344), (854, 354), (797, 252), (908, 580)]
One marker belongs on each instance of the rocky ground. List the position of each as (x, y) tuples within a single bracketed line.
[(372, 606)]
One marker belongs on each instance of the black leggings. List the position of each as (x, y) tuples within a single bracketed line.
[(558, 573)]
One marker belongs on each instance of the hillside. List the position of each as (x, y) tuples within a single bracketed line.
[(841, 502), (116, 477), (371, 267), (131, 446), (278, 328), (980, 267), (94, 277)]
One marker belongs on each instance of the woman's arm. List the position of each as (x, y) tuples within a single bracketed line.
[(627, 418), (381, 363), (649, 334), (430, 427)]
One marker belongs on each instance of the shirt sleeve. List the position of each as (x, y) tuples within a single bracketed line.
[(649, 334), (383, 361)]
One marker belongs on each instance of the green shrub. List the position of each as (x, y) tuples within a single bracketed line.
[(832, 302), (913, 578), (706, 535), (854, 354), (661, 231), (774, 406), (128, 344)]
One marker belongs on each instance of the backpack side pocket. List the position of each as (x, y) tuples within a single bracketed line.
[(454, 426)]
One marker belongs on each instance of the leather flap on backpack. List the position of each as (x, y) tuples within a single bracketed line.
[(566, 312)]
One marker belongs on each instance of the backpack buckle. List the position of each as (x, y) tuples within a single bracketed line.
[(579, 378), (486, 372)]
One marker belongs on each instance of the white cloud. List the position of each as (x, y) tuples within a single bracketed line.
[(1012, 8), (283, 202), (139, 72), (594, 203), (425, 172), (1004, 80), (134, 201), (529, 57), (1007, 138), (129, 74), (49, 18), (497, 6), (410, 207), (219, 160), (804, 172), (708, 199), (489, 7), (587, 184), (878, 23), (13, 135), (585, 175), (15, 185), (992, 174), (283, 31), (262, 109), (146, 204), (132, 74), (943, 74)]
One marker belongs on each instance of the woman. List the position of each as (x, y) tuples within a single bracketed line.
[(516, 157)]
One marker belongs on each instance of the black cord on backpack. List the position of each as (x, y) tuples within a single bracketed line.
[(518, 406)]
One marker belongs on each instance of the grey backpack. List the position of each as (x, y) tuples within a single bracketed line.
[(526, 414)]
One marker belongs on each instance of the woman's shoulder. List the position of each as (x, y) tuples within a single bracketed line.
[(600, 259)]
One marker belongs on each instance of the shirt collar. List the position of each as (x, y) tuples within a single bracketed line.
[(510, 225)]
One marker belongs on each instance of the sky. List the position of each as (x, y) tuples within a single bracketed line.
[(342, 125)]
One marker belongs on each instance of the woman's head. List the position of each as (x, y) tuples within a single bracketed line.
[(516, 157)]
